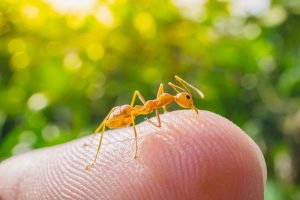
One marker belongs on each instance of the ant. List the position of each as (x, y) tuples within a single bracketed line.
[(121, 116)]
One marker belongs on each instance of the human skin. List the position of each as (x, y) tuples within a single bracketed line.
[(191, 156)]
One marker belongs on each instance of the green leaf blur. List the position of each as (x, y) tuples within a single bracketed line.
[(64, 64)]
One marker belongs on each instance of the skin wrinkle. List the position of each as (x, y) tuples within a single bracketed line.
[(255, 158), (57, 173), (21, 179), (158, 169), (104, 156), (182, 171), (75, 188), (158, 176), (245, 163), (241, 163), (49, 176), (73, 179), (27, 180), (205, 156), (228, 144), (127, 176), (194, 164), (237, 156), (90, 182), (136, 180), (141, 192), (179, 156), (48, 188), (65, 186), (155, 171), (152, 188), (175, 160), (179, 166), (55, 177), (211, 161), (132, 190), (202, 166), (193, 161), (167, 177), (244, 181), (260, 159), (238, 173)]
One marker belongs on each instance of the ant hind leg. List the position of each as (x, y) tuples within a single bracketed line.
[(89, 166), (135, 135), (100, 127)]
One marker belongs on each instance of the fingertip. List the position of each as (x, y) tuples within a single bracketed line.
[(205, 157), (191, 156), (261, 159)]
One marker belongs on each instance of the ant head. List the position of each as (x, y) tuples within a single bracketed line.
[(184, 99)]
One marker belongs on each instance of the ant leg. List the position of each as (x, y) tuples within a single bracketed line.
[(139, 95), (135, 135), (95, 133), (165, 109), (100, 127), (105, 119), (98, 150), (158, 120), (160, 92)]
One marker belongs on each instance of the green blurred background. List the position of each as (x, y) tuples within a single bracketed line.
[(65, 64)]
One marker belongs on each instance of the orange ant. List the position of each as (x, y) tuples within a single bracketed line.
[(121, 116)]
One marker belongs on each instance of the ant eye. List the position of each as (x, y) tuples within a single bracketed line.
[(188, 96)]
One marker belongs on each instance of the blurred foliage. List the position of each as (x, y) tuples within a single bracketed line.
[(64, 64)]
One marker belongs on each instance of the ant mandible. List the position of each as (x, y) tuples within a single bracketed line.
[(121, 116)]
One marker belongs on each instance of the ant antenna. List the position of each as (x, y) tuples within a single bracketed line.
[(176, 87), (185, 84)]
